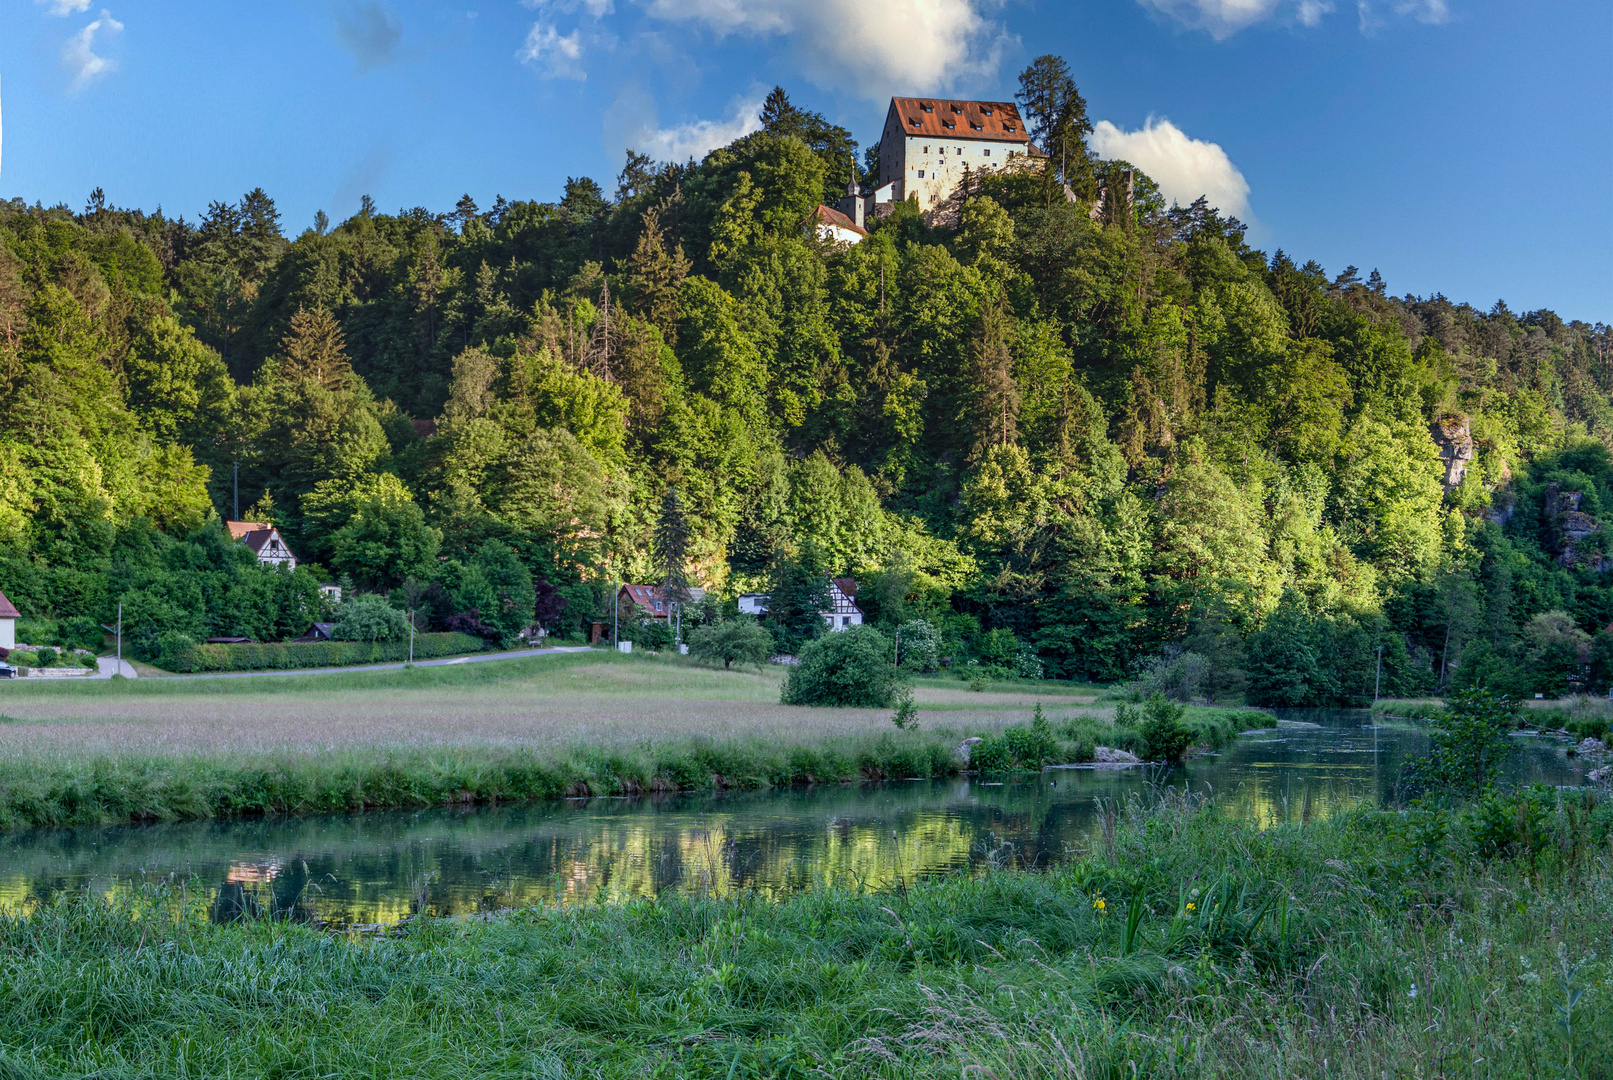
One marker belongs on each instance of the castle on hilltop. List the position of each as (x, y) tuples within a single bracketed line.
[(924, 151)]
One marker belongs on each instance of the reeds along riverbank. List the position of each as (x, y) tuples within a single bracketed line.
[(1176, 943), (65, 789)]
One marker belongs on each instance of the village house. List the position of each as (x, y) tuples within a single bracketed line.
[(841, 613), (651, 602), (265, 542), (8, 623)]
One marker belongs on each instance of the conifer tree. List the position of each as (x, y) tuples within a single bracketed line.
[(654, 278), (672, 547), (996, 412), (315, 349)]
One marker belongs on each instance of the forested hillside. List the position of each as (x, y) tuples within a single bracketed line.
[(1122, 439)]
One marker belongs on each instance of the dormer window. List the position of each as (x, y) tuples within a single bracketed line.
[(949, 125), (977, 127), (1008, 128), (915, 121), (957, 109), (926, 106), (985, 110)]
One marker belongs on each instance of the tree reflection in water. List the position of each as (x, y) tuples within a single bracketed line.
[(382, 867)]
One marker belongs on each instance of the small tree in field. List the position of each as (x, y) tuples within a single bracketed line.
[(735, 640), (850, 668)]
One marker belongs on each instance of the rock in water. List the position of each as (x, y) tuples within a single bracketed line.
[(1104, 755), (965, 748)]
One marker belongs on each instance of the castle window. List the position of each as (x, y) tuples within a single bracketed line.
[(957, 108), (926, 149), (985, 153), (921, 174), (927, 107), (985, 110), (960, 151), (977, 127)]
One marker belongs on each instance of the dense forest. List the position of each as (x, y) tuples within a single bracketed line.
[(1047, 420)]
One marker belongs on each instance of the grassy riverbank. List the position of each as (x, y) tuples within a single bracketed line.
[(507, 731), (1178, 943)]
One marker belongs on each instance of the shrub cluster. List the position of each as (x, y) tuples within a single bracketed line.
[(849, 668), (179, 653)]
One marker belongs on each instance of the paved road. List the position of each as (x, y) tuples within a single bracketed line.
[(474, 658), (108, 666)]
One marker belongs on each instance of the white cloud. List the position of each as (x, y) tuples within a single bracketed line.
[(371, 33), (65, 7), (1223, 18), (556, 56), (1436, 12), (872, 48), (1183, 168), (1311, 11), (696, 138), (79, 56), (597, 8)]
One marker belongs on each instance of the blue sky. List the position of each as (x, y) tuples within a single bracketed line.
[(1460, 146)]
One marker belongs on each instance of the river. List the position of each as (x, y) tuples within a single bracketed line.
[(377, 868)]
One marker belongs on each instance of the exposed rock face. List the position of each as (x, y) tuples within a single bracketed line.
[(965, 749), (1590, 746), (1104, 755), (1454, 436), (1572, 523)]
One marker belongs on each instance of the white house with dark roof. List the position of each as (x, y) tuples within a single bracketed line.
[(928, 142), (265, 542), (841, 613), (8, 623)]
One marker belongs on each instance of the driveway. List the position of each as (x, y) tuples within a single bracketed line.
[(474, 658)]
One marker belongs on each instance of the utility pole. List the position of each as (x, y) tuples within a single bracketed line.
[(411, 637), (677, 633), (120, 637), (897, 663), (237, 491), (615, 617)]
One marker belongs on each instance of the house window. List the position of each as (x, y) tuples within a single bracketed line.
[(921, 174), (960, 151), (927, 107), (985, 153), (926, 149), (658, 605), (985, 110)]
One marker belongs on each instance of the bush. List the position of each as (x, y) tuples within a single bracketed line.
[(920, 645), (740, 639), (849, 668), (1164, 737), (175, 651), (1469, 746), (1179, 675), (48, 657), (1034, 746), (187, 656), (999, 649), (653, 636), (370, 618), (991, 755), (1028, 665)]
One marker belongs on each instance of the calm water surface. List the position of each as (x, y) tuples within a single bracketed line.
[(377, 867)]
